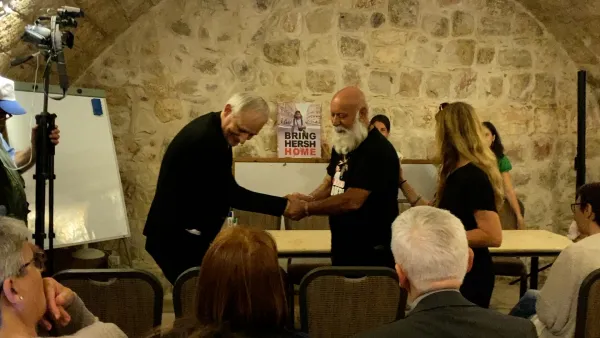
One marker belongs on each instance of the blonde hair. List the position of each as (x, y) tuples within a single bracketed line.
[(459, 133)]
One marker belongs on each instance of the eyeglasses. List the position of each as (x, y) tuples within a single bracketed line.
[(38, 260), (573, 206)]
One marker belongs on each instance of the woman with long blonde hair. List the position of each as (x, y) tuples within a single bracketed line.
[(470, 187)]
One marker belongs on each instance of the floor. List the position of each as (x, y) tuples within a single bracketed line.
[(504, 298)]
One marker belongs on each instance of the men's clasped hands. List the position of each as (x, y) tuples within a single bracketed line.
[(297, 206)]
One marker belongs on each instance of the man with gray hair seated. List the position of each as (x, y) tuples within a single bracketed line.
[(196, 187), (432, 257)]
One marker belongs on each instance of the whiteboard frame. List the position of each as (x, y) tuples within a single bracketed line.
[(91, 93)]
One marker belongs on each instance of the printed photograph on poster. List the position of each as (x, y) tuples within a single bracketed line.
[(299, 130)]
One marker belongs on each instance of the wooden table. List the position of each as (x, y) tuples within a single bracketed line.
[(515, 243)]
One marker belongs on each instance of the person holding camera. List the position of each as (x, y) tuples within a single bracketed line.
[(13, 201)]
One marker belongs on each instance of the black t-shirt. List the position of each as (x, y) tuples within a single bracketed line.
[(467, 190), (372, 166)]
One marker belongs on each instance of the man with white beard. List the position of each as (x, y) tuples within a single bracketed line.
[(360, 190)]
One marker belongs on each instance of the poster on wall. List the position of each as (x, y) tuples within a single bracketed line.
[(299, 130)]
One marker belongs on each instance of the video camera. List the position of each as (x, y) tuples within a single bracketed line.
[(48, 36)]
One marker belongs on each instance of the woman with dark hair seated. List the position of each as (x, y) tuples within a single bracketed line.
[(240, 292), (495, 142)]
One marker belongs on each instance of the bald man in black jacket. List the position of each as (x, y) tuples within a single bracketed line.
[(196, 187)]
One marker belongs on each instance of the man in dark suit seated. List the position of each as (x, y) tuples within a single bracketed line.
[(432, 257)]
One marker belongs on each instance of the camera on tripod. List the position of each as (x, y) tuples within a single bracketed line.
[(48, 36)]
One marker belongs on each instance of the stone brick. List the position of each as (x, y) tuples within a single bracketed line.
[(351, 75), (167, 110), (367, 3), (403, 13), (352, 21), (542, 148), (377, 19), (322, 2), (437, 85), (464, 83), (501, 8), (544, 121), (526, 24), (283, 52), (389, 37), (352, 48), (545, 87), (485, 55), (181, 28), (520, 87), (515, 58), (409, 83), (319, 20), (463, 23), (321, 51), (320, 81), (444, 3), (381, 82), (244, 71), (494, 26), (206, 66), (425, 56), (388, 55), (496, 86), (460, 52), (289, 21), (263, 5), (436, 25)]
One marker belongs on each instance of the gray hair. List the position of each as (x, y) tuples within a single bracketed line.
[(13, 235), (248, 102), (430, 245)]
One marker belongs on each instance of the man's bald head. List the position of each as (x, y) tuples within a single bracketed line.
[(350, 117)]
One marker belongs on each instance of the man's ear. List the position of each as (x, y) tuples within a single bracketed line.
[(588, 212), (9, 291), (227, 109), (402, 278), (470, 260), (363, 115)]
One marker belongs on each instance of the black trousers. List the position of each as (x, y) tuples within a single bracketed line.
[(176, 252), (478, 284)]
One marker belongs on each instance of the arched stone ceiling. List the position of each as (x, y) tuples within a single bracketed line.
[(574, 23)]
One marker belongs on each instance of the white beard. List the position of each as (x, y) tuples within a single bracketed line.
[(346, 140)]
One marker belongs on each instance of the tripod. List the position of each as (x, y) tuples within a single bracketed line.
[(44, 171)]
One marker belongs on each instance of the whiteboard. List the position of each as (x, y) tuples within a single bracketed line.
[(280, 179), (88, 197)]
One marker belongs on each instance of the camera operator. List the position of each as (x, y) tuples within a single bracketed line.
[(13, 201)]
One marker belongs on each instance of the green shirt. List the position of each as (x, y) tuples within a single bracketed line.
[(504, 164)]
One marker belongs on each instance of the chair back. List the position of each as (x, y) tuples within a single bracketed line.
[(343, 301), (308, 223), (508, 218), (184, 293), (588, 307), (256, 220), (132, 299)]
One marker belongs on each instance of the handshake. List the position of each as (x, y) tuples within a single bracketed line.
[(297, 206)]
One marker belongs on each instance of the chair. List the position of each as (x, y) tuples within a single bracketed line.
[(256, 220), (184, 293), (511, 266), (131, 299), (587, 324), (343, 301)]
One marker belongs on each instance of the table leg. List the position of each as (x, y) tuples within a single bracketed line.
[(535, 262)]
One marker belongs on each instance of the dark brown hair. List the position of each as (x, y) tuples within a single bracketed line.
[(240, 285), (590, 194)]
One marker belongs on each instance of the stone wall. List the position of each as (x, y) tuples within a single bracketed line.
[(185, 58)]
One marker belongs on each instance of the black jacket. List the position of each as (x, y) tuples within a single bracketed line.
[(196, 186), (448, 314)]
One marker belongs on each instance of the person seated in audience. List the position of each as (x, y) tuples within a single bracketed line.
[(432, 257), (554, 307), (382, 123), (240, 290), (495, 143), (27, 299)]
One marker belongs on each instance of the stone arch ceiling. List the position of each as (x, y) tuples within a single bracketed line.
[(574, 23)]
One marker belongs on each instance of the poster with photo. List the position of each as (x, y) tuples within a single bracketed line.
[(299, 130)]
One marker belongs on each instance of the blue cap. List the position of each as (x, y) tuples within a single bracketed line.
[(8, 100)]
